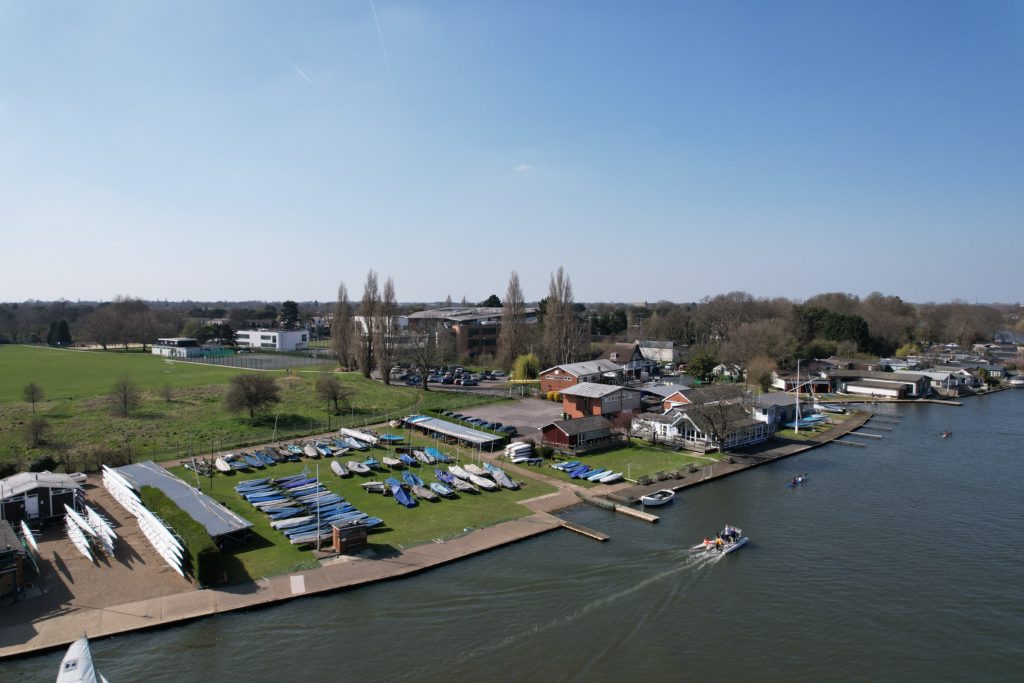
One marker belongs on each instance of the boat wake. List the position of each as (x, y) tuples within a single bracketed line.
[(686, 563)]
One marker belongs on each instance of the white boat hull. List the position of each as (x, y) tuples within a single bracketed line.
[(654, 500)]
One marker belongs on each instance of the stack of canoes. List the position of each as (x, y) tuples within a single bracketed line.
[(577, 470)]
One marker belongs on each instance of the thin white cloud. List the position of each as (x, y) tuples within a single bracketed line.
[(118, 243), (523, 168), (300, 72)]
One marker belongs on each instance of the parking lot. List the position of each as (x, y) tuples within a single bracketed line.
[(527, 415)]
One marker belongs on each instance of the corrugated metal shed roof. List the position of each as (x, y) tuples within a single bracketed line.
[(217, 519), (17, 484), (591, 390)]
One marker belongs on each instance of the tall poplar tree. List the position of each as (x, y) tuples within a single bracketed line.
[(341, 328)]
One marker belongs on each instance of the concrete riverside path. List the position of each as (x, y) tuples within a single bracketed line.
[(338, 574)]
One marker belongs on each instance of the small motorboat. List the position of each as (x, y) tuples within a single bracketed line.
[(796, 481), (946, 435), (658, 498), (729, 539), (339, 469)]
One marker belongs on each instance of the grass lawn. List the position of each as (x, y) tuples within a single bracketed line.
[(637, 460), (64, 374), (270, 553), (74, 384)]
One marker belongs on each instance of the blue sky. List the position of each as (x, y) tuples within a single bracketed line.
[(197, 150)]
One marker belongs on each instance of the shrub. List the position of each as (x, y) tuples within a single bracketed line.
[(203, 554), (544, 452), (42, 464)]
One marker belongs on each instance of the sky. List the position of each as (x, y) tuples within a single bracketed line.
[(656, 151)]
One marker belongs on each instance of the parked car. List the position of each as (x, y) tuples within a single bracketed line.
[(485, 424), (497, 373), (413, 380), (468, 382), (508, 429), (446, 380), (448, 413), (474, 420)]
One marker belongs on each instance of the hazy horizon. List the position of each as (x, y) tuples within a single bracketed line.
[(669, 151)]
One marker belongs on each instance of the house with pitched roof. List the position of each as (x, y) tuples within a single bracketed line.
[(587, 398), (582, 435), (561, 377)]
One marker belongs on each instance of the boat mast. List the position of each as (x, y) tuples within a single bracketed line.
[(796, 391)]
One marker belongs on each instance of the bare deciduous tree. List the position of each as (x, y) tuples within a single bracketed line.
[(563, 332), (124, 397), (33, 394), (341, 328), (368, 311), (386, 331), (423, 347), (330, 390), (513, 338), (36, 430), (252, 393)]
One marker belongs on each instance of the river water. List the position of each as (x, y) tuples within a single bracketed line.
[(896, 562)]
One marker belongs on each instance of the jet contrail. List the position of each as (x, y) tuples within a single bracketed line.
[(387, 64), (304, 76)]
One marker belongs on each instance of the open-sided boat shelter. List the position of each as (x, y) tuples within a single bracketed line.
[(222, 524), (450, 430)]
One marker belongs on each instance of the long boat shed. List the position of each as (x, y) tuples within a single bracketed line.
[(222, 524), (451, 431), (38, 497)]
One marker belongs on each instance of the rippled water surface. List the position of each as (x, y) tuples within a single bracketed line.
[(901, 561)]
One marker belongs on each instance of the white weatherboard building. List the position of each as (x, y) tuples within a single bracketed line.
[(177, 347), (273, 340)]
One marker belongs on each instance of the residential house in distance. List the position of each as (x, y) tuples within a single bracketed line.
[(561, 377), (665, 353), (273, 340), (692, 428), (670, 395), (634, 364), (586, 398), (582, 435), (809, 382), (778, 408)]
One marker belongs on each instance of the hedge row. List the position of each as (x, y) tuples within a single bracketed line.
[(202, 552)]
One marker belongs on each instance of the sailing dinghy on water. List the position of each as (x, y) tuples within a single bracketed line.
[(77, 666)]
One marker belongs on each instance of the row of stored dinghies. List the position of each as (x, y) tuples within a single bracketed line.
[(579, 470), (301, 507), (448, 483)]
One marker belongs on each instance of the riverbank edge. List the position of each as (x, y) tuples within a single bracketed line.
[(60, 631)]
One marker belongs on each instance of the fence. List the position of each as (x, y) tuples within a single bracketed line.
[(261, 361)]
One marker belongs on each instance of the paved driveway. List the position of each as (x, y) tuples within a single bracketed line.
[(526, 414)]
